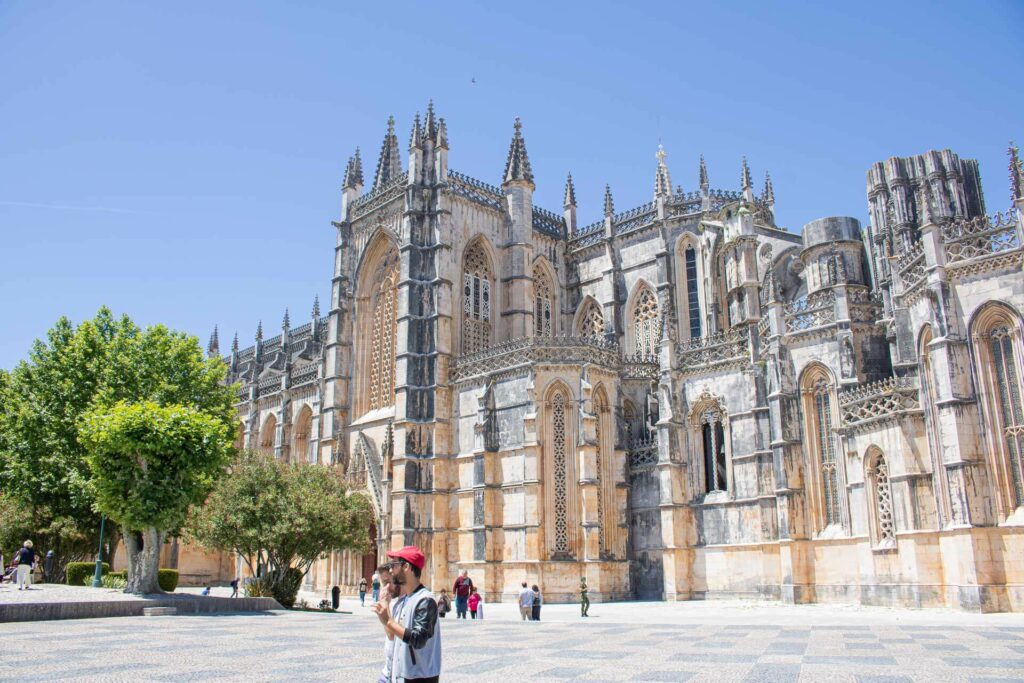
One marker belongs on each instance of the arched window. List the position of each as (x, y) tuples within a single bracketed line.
[(268, 434), (997, 342), (382, 346), (476, 300), (692, 293), (603, 414), (591, 322), (561, 473), (824, 491), (646, 324), (543, 303), (630, 424), (713, 445), (883, 521), (301, 442)]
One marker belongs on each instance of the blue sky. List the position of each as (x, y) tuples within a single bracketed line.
[(181, 162)]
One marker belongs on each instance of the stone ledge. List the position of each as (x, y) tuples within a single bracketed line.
[(44, 611)]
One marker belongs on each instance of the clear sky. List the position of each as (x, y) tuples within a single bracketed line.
[(182, 161)]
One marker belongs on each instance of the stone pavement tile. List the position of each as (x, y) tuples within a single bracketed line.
[(864, 646), (562, 673), (719, 657), (998, 635), (751, 627), (773, 673), (784, 648), (927, 635), (985, 662), (1016, 648), (975, 679), (860, 636), (848, 627), (592, 654), (848, 660), (663, 676), (485, 665), (868, 678)]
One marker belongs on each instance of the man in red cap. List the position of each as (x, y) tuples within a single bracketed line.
[(411, 623)]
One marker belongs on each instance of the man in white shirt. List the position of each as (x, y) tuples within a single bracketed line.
[(526, 603)]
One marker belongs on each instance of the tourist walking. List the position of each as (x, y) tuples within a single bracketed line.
[(375, 585), (474, 602), (412, 623), (584, 600), (25, 559), (536, 602), (526, 603), (362, 592), (444, 603), (234, 587), (463, 587)]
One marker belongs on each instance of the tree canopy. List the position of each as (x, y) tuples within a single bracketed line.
[(78, 369), (279, 517)]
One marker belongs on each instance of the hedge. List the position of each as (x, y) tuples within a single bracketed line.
[(81, 573), (168, 579)]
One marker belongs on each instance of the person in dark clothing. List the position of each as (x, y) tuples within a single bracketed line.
[(234, 587), (411, 623), (536, 602), (463, 587)]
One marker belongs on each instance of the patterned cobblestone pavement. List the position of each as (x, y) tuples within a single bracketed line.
[(681, 642)]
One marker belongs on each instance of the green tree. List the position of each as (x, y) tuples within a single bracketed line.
[(280, 519), (149, 465), (75, 370)]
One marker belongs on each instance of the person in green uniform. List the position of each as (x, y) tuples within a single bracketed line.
[(584, 600)]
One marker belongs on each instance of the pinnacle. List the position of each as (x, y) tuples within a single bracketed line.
[(389, 164), (429, 124), (609, 206), (214, 345), (415, 138), (768, 194), (745, 176), (259, 331), (357, 168), (286, 323), (442, 133), (703, 173), (234, 343), (1016, 173), (662, 181), (570, 193), (316, 306), (517, 167)]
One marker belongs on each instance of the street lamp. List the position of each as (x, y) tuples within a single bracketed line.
[(97, 578)]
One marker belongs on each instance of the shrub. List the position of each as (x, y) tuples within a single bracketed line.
[(283, 587), (168, 579), (123, 574), (81, 573), (115, 581)]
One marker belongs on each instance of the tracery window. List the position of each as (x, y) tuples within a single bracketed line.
[(885, 525), (476, 300), (560, 455), (382, 345), (543, 303), (268, 434), (692, 295), (301, 442), (1008, 395), (825, 442), (592, 323), (713, 444), (646, 324)]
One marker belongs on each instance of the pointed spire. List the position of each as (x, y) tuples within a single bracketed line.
[(415, 138), (745, 183), (286, 323), (350, 179), (357, 168), (768, 194), (234, 343), (214, 346), (259, 331), (517, 167), (442, 133), (316, 307), (429, 124), (662, 181), (570, 193), (703, 174), (1016, 173), (609, 206), (389, 165)]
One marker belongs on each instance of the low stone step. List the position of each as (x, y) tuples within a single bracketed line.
[(159, 611)]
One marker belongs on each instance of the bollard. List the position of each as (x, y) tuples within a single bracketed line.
[(335, 597)]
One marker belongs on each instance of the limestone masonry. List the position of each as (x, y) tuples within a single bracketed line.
[(678, 401)]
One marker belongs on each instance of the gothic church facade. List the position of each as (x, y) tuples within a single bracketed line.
[(678, 401)]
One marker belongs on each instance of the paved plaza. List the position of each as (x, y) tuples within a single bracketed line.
[(697, 642)]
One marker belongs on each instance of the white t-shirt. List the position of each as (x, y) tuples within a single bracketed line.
[(526, 597)]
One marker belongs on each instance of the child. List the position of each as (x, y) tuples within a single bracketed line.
[(474, 603), (444, 603), (206, 591)]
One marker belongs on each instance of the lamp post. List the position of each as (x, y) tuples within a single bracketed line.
[(97, 578)]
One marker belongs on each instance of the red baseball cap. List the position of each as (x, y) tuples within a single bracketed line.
[(410, 554)]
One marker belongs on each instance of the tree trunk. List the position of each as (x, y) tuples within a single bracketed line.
[(143, 560)]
